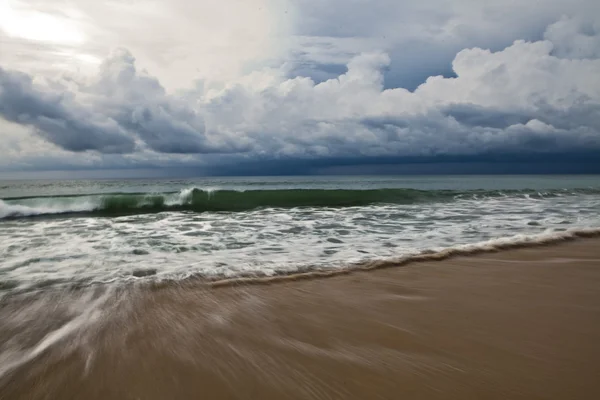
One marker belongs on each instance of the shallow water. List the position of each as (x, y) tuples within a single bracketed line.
[(520, 324), (56, 233)]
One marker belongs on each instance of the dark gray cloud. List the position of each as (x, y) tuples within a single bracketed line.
[(138, 102), (472, 115), (108, 115), (533, 98), (58, 118), (582, 162)]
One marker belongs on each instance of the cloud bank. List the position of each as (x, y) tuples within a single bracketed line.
[(530, 97)]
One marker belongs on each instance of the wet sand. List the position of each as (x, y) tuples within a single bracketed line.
[(515, 324)]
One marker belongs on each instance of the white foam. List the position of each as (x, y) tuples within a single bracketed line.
[(521, 240), (62, 205), (272, 241), (45, 208), (183, 197)]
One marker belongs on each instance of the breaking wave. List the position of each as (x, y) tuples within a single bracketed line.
[(200, 200)]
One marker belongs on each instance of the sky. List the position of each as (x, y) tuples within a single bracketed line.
[(266, 87)]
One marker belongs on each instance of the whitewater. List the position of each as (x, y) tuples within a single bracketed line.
[(65, 233)]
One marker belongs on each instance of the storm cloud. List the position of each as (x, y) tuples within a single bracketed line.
[(116, 112), (58, 117), (537, 95)]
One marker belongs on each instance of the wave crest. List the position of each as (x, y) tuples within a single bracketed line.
[(202, 200)]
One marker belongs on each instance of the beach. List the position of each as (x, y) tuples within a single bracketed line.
[(511, 324), (299, 200)]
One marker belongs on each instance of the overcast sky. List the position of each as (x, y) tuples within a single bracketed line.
[(231, 86)]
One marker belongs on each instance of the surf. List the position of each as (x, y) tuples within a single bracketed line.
[(215, 200)]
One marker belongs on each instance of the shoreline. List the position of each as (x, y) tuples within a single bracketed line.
[(467, 250), (513, 324), (308, 272)]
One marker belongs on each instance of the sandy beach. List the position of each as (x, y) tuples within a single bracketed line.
[(514, 324)]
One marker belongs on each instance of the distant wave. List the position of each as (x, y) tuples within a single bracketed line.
[(202, 200)]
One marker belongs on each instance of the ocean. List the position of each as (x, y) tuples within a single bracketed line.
[(96, 232), (141, 288)]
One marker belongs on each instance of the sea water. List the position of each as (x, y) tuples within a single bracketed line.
[(80, 232)]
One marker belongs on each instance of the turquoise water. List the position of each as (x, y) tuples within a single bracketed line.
[(55, 233)]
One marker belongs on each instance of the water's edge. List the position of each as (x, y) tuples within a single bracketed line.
[(317, 272)]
